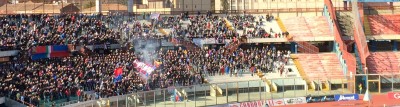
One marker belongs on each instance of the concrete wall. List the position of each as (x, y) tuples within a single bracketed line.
[(192, 5)]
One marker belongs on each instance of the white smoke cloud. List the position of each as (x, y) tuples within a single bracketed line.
[(147, 50)]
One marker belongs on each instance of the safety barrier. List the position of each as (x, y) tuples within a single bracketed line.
[(241, 91), (347, 60), (359, 36)]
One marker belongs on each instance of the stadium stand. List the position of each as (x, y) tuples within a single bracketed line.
[(383, 62), (95, 71), (384, 24), (302, 27), (318, 67)]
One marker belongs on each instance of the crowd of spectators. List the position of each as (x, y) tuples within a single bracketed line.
[(211, 62), (24, 31), (255, 28), (57, 78), (47, 80)]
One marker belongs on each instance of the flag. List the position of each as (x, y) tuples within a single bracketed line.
[(118, 78), (157, 64), (177, 97), (50, 51), (118, 74), (144, 69), (49, 55), (154, 15)]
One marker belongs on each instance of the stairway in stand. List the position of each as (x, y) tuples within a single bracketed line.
[(302, 73), (345, 21), (367, 27)]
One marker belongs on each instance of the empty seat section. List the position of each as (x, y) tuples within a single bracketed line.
[(383, 62), (323, 67), (319, 26), (307, 27), (384, 24)]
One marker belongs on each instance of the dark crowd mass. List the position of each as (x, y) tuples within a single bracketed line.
[(46, 80)]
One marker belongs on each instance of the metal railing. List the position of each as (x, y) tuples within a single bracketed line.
[(199, 95), (232, 92)]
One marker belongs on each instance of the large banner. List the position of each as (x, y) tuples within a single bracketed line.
[(394, 95), (144, 69), (346, 97), (298, 100), (277, 102), (260, 103)]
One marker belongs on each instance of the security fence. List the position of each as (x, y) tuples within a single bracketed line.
[(245, 91)]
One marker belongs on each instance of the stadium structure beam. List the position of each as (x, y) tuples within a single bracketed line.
[(98, 6), (130, 6)]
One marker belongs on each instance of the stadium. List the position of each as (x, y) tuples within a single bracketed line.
[(205, 53)]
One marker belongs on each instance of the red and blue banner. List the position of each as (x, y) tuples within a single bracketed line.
[(118, 74), (50, 51), (144, 69)]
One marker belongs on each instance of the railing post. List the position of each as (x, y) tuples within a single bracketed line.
[(136, 97), (237, 91), (205, 97), (248, 90), (283, 88), (226, 92), (174, 98), (392, 81), (216, 97), (184, 101), (117, 101), (164, 98), (144, 99), (294, 87), (259, 88)]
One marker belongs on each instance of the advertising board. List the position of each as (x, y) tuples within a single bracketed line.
[(346, 97), (298, 100), (277, 102), (394, 95), (260, 103)]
